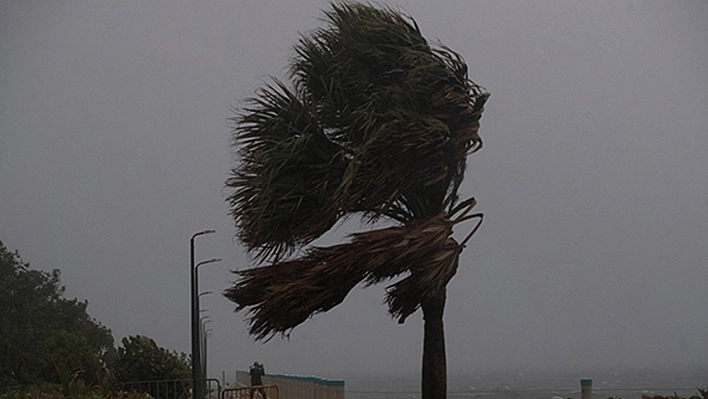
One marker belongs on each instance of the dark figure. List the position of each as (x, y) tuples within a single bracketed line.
[(257, 371)]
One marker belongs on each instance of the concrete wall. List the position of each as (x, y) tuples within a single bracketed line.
[(298, 387)]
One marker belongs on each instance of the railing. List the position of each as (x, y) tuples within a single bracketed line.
[(624, 393), (255, 392), (174, 389)]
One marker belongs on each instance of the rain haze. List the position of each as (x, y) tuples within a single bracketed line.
[(114, 150)]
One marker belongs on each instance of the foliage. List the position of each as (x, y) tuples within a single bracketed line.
[(52, 391), (377, 123), (702, 394), (51, 347), (43, 334), (141, 359)]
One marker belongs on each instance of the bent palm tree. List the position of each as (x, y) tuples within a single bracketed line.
[(377, 123)]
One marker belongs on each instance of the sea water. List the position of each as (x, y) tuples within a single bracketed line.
[(618, 383)]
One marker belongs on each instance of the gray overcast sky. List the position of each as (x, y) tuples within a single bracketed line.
[(593, 177)]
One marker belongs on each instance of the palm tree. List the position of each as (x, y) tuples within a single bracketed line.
[(377, 123)]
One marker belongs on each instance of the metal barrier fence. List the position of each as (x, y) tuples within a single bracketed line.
[(623, 393), (256, 392), (174, 389)]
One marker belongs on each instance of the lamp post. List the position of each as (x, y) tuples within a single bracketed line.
[(202, 363), (196, 360), (202, 337), (203, 321), (207, 334)]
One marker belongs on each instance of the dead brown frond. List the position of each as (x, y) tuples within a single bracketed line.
[(286, 293)]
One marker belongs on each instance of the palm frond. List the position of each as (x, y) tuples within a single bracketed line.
[(287, 168), (427, 280), (377, 118), (284, 294), (374, 79)]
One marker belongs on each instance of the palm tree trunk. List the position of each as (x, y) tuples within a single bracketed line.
[(434, 378)]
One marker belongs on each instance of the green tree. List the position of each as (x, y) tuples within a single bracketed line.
[(141, 359), (377, 123), (43, 334)]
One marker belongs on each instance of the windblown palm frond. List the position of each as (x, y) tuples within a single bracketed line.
[(284, 294), (287, 166), (381, 89), (377, 120)]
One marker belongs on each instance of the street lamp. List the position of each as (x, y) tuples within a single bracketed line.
[(202, 353), (203, 321), (199, 360), (196, 278), (207, 334), (199, 297), (196, 360)]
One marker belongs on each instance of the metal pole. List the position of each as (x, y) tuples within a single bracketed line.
[(207, 334), (202, 348), (202, 344), (196, 288), (205, 331), (196, 359)]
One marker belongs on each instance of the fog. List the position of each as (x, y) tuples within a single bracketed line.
[(114, 149)]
